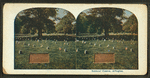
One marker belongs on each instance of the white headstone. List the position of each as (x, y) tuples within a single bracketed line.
[(47, 47), (28, 44), (82, 41), (108, 45), (65, 50), (17, 42), (85, 51), (100, 45), (113, 47), (104, 39), (94, 44), (20, 52), (33, 45), (131, 50)]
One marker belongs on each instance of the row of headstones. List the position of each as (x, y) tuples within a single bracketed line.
[(126, 48), (95, 43), (68, 44), (65, 50), (67, 38), (50, 38)]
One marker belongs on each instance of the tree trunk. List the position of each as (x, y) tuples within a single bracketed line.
[(106, 32), (40, 33)]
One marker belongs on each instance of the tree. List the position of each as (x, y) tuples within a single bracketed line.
[(18, 25), (82, 23), (108, 18), (23, 30), (117, 26), (90, 29), (65, 25), (38, 18), (74, 27), (131, 25)]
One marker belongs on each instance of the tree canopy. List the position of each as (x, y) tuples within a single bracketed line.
[(101, 18), (95, 20), (65, 25), (131, 25), (36, 18)]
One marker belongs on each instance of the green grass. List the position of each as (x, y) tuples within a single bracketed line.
[(124, 59)]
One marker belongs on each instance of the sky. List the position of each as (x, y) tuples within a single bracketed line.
[(61, 13), (127, 14)]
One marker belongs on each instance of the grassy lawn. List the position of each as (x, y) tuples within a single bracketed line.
[(124, 59)]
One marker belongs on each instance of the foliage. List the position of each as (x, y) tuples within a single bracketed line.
[(108, 17), (91, 29), (65, 25), (82, 23), (131, 25), (23, 30), (37, 18), (74, 28), (101, 18), (18, 25), (33, 31)]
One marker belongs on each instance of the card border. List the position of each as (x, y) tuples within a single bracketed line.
[(141, 34)]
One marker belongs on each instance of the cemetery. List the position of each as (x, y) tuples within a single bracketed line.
[(99, 38), (75, 54)]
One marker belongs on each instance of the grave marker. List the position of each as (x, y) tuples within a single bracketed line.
[(41, 46), (131, 50), (65, 50), (20, 52), (108, 45), (59, 48), (33, 45), (126, 48), (85, 51), (77, 50), (113, 47), (47, 47)]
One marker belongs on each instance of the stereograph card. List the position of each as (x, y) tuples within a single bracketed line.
[(75, 39)]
